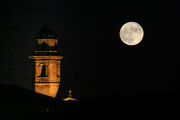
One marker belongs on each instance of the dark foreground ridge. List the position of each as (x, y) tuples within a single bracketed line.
[(21, 103)]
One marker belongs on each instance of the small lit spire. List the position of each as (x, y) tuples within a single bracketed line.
[(70, 93), (70, 97)]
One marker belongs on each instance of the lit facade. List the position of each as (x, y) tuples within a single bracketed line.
[(47, 62)]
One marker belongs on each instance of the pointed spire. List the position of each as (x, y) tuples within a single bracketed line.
[(70, 93), (46, 33), (70, 97)]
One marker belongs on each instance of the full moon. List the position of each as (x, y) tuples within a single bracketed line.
[(131, 33)]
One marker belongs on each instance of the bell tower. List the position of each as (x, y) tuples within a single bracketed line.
[(47, 61)]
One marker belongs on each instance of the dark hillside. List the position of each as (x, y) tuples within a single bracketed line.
[(20, 103)]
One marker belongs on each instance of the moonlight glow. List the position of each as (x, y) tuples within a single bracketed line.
[(131, 33)]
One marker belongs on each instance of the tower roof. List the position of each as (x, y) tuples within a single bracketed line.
[(46, 33)]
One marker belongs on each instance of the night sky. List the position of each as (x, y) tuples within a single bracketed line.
[(96, 62)]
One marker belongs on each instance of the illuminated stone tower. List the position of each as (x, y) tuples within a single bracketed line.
[(47, 62)]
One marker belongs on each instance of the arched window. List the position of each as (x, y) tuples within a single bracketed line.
[(55, 47), (43, 71), (43, 46)]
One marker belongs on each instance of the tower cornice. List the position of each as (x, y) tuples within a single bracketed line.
[(46, 57), (54, 83)]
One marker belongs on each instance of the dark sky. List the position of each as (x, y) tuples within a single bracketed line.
[(96, 62)]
